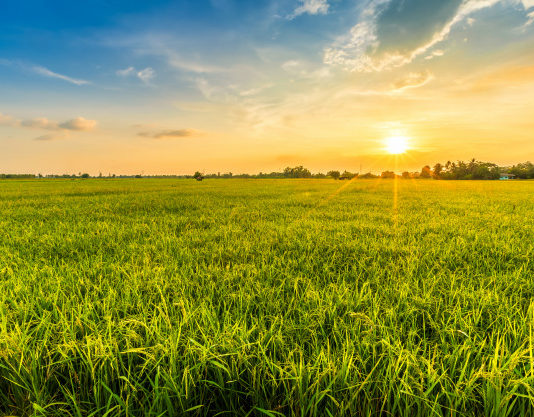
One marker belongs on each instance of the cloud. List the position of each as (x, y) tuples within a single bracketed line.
[(40, 123), (437, 52), (146, 75), (125, 72), (362, 48), (169, 134), (413, 80), (61, 130), (7, 120), (312, 7), (79, 124), (53, 136), (47, 73)]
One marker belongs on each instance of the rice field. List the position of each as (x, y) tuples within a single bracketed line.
[(162, 297)]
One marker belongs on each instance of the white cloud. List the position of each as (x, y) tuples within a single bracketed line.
[(47, 73), (413, 80), (312, 7), (433, 54), (530, 19), (125, 72), (356, 51), (144, 75)]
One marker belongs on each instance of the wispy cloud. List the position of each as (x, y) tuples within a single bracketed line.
[(434, 54), (312, 7), (7, 120), (145, 75), (40, 123), (53, 136), (169, 134), (125, 72), (413, 80), (358, 51), (48, 73)]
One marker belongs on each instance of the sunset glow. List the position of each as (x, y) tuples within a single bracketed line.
[(171, 87)]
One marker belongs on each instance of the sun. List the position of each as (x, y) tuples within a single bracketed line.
[(396, 145)]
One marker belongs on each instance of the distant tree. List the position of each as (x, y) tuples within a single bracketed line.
[(334, 174), (406, 175), (425, 172), (367, 176), (347, 175), (523, 171), (297, 172), (387, 175), (438, 168), (84, 175), (198, 176)]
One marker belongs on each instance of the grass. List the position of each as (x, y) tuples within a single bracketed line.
[(266, 298)]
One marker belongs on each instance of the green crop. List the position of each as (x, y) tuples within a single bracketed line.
[(161, 297)]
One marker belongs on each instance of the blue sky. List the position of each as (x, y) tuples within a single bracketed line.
[(228, 85)]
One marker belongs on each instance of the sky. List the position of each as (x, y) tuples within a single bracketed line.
[(171, 87)]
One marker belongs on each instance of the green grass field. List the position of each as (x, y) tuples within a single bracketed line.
[(266, 297)]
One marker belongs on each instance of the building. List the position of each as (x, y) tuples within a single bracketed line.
[(505, 176)]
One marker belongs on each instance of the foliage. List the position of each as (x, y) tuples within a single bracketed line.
[(198, 176), (425, 172), (367, 176), (297, 172), (300, 298), (347, 175), (523, 171), (472, 170), (334, 174), (388, 175)]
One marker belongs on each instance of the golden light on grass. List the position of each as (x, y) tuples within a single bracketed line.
[(396, 145)]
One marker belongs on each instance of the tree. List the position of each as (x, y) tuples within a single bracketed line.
[(348, 175), (367, 176), (84, 175), (334, 174), (426, 172), (406, 175), (198, 176), (438, 168), (297, 172), (388, 175)]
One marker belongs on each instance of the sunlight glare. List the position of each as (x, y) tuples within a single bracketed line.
[(396, 144)]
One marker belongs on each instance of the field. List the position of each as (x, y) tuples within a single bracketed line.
[(164, 297)]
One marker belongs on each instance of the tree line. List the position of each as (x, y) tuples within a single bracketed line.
[(459, 170)]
